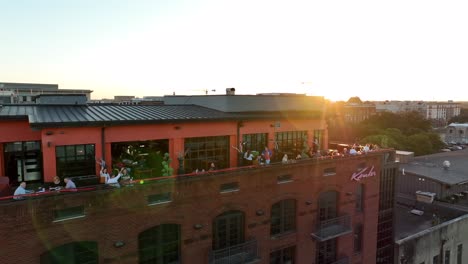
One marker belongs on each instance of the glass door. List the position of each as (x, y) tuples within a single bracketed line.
[(23, 161)]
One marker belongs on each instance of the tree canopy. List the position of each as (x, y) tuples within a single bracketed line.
[(462, 118), (403, 131)]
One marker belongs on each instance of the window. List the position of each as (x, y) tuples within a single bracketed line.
[(255, 142), (283, 256), (284, 178), (228, 229), (360, 197), (317, 139), (459, 253), (160, 244), (358, 239), (69, 213), (435, 259), (229, 187), (202, 151), (159, 198), (75, 160), (329, 171), (83, 252), (291, 142), (283, 217), (447, 257)]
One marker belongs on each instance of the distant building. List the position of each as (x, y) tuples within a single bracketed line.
[(356, 111), (436, 234), (456, 133), (130, 100), (17, 93), (340, 115), (444, 174), (439, 113), (431, 224)]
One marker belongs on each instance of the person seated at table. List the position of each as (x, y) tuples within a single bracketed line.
[(212, 167), (69, 183), (56, 184), (21, 190)]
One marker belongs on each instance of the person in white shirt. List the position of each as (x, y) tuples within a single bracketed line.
[(21, 190), (110, 179), (249, 157), (69, 183)]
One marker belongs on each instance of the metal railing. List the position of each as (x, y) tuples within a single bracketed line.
[(246, 252), (332, 228)]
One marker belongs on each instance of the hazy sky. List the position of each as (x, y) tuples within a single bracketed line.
[(376, 49)]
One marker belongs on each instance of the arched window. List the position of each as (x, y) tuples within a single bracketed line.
[(283, 217), (160, 244), (82, 252), (228, 229)]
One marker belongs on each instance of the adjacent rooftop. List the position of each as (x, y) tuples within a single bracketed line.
[(431, 166)]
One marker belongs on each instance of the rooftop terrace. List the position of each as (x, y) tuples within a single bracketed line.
[(200, 176)]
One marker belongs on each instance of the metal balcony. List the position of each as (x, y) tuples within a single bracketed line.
[(332, 228), (244, 253)]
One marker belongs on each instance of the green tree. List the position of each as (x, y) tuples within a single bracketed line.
[(420, 144), (462, 118), (404, 131)]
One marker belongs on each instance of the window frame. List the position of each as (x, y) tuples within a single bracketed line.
[(282, 255), (201, 151), (157, 243), (283, 217), (70, 164)]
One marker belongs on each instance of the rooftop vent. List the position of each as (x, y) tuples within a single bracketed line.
[(446, 165), (230, 91)]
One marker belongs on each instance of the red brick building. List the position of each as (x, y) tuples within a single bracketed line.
[(313, 210)]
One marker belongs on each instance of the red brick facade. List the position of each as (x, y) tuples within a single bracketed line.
[(28, 229)]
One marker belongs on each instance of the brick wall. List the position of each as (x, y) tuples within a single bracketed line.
[(28, 230)]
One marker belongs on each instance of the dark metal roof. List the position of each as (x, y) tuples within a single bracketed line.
[(252, 103), (96, 115), (430, 166)]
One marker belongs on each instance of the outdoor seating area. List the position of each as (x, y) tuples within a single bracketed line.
[(92, 182)]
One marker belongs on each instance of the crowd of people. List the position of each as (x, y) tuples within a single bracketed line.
[(264, 158), (68, 184), (55, 185)]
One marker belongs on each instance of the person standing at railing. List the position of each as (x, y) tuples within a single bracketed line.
[(267, 154), (110, 179), (104, 175), (124, 174), (21, 190)]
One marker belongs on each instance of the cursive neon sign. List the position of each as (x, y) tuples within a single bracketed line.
[(364, 173)]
